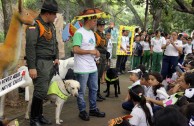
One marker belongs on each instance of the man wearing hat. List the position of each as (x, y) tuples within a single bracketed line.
[(101, 46), (85, 69), (42, 53)]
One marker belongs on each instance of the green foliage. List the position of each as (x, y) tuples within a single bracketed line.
[(177, 21), (31, 4)]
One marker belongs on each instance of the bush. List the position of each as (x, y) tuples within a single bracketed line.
[(31, 4)]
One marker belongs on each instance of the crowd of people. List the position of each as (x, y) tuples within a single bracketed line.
[(162, 79), (161, 97)]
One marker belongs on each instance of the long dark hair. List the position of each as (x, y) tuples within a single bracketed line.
[(170, 116), (149, 39), (189, 78), (137, 95), (159, 78)]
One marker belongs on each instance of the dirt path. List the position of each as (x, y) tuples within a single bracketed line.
[(69, 114)]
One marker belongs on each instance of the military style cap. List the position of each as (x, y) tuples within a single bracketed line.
[(101, 21), (50, 5)]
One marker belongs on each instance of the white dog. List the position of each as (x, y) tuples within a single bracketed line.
[(68, 87)]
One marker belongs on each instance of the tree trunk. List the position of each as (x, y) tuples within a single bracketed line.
[(157, 18), (7, 13), (146, 16), (137, 17)]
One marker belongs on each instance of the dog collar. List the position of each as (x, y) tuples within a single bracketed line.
[(111, 80), (54, 89)]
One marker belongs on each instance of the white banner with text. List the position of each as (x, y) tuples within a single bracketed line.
[(12, 82)]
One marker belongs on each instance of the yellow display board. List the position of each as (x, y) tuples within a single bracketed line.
[(131, 30)]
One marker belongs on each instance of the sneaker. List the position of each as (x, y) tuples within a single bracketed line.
[(84, 116), (97, 113), (119, 73)]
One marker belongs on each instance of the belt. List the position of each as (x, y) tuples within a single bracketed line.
[(45, 58)]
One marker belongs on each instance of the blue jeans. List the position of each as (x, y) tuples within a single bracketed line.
[(168, 66), (91, 80)]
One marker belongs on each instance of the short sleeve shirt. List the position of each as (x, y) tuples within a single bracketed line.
[(157, 44), (171, 50), (157, 96), (85, 39), (125, 42), (138, 116), (187, 48), (146, 45)]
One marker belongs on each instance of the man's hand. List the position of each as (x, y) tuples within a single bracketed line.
[(56, 61), (95, 52), (33, 73)]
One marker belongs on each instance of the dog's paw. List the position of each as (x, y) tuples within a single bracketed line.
[(59, 121), (116, 95), (107, 96), (119, 93)]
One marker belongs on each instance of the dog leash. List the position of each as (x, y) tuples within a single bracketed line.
[(56, 69)]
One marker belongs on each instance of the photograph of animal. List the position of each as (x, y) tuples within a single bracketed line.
[(68, 87), (112, 78)]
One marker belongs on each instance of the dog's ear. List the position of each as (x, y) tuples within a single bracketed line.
[(67, 83), (79, 87)]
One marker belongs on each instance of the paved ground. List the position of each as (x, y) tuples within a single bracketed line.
[(69, 114)]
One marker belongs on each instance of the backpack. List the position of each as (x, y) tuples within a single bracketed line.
[(138, 49)]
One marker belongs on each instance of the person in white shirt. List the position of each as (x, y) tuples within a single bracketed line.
[(173, 48), (182, 55), (144, 81), (142, 111), (146, 51), (110, 44), (134, 76), (155, 80), (124, 47), (188, 48), (156, 49), (85, 68)]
